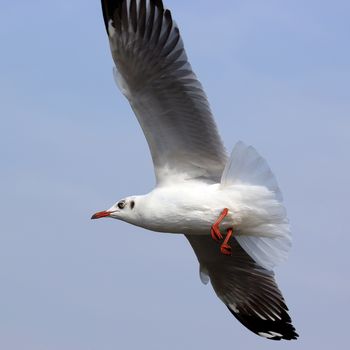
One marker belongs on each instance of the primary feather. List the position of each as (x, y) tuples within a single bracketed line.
[(248, 290)]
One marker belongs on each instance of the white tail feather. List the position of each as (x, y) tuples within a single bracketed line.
[(247, 167)]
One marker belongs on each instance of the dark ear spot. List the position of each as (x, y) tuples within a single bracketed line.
[(132, 204)]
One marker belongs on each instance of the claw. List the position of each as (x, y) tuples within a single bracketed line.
[(226, 249), (215, 234)]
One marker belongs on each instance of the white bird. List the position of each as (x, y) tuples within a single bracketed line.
[(199, 192)]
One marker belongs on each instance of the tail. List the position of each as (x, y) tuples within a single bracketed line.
[(247, 167)]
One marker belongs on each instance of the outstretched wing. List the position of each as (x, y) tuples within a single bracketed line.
[(249, 291), (168, 100)]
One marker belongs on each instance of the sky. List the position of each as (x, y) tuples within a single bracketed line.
[(277, 74)]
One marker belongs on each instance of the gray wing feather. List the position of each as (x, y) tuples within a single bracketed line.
[(168, 100), (249, 291)]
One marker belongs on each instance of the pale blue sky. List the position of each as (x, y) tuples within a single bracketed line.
[(277, 74)]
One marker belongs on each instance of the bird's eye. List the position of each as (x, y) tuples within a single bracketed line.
[(121, 204)]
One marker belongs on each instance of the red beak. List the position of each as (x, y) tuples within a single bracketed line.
[(100, 214)]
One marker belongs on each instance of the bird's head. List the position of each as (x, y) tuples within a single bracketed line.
[(122, 210)]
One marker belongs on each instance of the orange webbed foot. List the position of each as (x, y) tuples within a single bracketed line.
[(216, 234), (225, 248)]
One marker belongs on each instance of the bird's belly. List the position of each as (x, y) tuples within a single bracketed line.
[(196, 221), (190, 210)]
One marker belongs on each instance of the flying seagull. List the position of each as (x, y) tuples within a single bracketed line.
[(229, 208)]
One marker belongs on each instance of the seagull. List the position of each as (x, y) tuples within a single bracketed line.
[(228, 207)]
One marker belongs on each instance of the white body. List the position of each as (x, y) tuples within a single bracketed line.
[(192, 208)]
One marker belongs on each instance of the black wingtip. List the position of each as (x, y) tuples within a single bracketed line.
[(109, 7), (277, 329), (159, 4)]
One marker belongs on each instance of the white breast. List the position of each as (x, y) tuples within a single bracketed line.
[(187, 208)]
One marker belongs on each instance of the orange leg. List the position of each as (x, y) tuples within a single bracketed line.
[(215, 231), (225, 247)]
